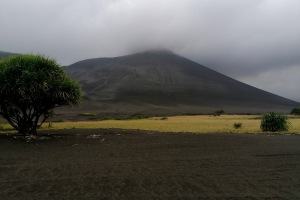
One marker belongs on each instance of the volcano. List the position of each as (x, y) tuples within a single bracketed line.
[(161, 82), (4, 54)]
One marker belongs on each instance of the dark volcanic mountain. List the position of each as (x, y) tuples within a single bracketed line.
[(161, 82), (4, 54)]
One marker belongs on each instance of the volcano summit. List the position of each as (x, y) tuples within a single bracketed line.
[(164, 83)]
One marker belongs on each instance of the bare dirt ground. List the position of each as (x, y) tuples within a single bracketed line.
[(126, 164)]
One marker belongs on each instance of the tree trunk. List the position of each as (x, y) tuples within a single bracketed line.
[(27, 128)]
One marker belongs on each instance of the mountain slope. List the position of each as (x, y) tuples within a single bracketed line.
[(163, 82), (4, 54)]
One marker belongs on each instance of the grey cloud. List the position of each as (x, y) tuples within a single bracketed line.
[(278, 81), (242, 39)]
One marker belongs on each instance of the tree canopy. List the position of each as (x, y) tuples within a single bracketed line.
[(295, 111), (31, 86)]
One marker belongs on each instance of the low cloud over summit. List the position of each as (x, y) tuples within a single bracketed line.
[(255, 41)]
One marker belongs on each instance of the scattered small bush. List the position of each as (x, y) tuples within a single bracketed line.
[(108, 118), (219, 112), (87, 114), (295, 111), (135, 117), (274, 122), (57, 120), (50, 125), (237, 125)]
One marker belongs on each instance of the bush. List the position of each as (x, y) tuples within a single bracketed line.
[(135, 117), (87, 114), (295, 111), (237, 125), (219, 112), (274, 122), (50, 125)]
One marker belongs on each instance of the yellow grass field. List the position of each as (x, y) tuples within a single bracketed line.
[(195, 124)]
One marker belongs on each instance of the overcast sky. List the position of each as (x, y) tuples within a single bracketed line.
[(254, 41)]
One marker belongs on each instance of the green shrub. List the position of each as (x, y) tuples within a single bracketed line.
[(108, 118), (57, 120), (87, 114), (295, 111), (135, 117), (219, 112), (50, 125), (237, 125), (274, 122)]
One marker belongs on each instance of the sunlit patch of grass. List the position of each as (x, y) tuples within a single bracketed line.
[(195, 124), (6, 127), (294, 124)]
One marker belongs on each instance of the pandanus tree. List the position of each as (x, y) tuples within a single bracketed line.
[(31, 86)]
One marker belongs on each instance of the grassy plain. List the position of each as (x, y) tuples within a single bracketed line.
[(195, 124)]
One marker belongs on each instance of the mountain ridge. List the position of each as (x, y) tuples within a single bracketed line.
[(4, 54), (168, 83), (161, 82)]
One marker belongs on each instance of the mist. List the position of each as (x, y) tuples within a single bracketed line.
[(254, 41)]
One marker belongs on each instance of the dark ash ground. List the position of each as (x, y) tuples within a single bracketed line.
[(126, 164)]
